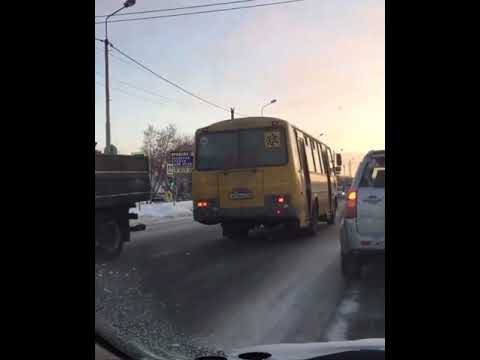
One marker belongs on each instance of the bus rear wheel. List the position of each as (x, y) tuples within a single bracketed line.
[(235, 231)]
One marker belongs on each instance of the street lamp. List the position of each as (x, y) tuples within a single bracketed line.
[(321, 135), (126, 4), (270, 103)]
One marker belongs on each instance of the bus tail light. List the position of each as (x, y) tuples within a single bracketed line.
[(280, 200), (202, 204), (351, 207)]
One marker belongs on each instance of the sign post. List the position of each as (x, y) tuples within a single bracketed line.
[(174, 190), (169, 169)]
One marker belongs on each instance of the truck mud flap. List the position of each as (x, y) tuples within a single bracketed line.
[(138, 227)]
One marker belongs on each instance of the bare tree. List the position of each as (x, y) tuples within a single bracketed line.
[(157, 145), (185, 141)]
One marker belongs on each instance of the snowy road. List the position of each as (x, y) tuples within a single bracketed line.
[(180, 286)]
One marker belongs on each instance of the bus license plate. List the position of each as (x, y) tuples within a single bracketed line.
[(240, 195)]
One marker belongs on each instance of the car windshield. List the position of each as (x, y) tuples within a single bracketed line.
[(239, 174)]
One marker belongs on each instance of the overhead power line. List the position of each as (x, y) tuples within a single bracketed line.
[(170, 82), (178, 8), (114, 56), (200, 12), (129, 94), (129, 63), (151, 93)]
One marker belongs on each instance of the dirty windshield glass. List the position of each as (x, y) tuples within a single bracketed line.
[(241, 149), (225, 132)]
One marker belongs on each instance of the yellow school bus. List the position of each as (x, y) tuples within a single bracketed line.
[(262, 171)]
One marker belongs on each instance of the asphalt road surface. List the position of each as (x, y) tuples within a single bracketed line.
[(180, 288)]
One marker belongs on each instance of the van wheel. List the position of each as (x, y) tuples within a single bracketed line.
[(235, 231), (313, 226), (351, 268)]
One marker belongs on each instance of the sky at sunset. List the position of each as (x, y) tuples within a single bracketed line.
[(323, 60)]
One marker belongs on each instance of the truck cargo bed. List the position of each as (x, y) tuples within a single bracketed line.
[(121, 180)]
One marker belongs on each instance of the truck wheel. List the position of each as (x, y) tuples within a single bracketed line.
[(351, 268), (235, 231), (109, 242)]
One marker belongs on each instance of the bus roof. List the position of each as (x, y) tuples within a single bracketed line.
[(245, 122), (252, 122)]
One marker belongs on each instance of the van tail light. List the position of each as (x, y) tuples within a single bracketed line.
[(351, 207)]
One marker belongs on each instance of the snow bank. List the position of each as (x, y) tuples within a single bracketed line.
[(161, 212)]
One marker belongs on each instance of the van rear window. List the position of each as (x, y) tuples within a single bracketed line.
[(374, 173)]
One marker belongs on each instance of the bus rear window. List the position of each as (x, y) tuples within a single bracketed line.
[(262, 147), (217, 151), (241, 149)]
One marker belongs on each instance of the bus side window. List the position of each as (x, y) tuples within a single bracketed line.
[(297, 141), (322, 158), (318, 167), (308, 149), (312, 147), (319, 157), (325, 160), (331, 162)]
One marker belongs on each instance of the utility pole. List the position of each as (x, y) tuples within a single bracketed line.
[(108, 146), (107, 96), (350, 167)]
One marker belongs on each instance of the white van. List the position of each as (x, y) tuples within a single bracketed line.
[(362, 233)]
